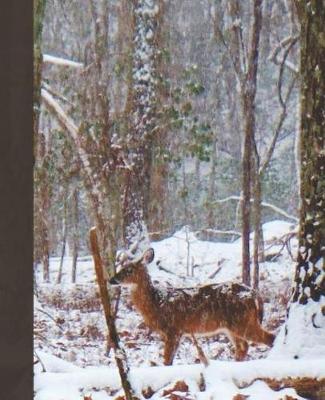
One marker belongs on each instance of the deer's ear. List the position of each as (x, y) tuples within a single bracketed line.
[(148, 256)]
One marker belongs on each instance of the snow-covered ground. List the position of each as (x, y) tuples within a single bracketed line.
[(70, 331)]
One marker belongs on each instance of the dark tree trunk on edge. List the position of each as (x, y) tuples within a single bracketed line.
[(310, 271)]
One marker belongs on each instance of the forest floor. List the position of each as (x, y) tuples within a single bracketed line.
[(70, 331)]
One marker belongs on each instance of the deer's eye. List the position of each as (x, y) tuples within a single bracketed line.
[(128, 270)]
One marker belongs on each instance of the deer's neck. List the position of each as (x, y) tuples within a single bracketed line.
[(145, 297)]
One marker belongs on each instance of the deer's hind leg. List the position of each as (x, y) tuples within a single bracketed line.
[(241, 348), (171, 343)]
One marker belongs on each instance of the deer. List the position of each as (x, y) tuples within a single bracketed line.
[(229, 307)]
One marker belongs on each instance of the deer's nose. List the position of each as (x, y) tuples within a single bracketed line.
[(114, 281)]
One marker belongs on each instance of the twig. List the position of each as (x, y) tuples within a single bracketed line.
[(273, 56), (40, 361), (218, 269), (164, 269), (278, 128), (50, 316)]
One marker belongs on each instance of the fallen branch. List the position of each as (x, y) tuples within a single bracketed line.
[(48, 59), (217, 232)]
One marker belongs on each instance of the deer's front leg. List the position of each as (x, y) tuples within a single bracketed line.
[(171, 343)]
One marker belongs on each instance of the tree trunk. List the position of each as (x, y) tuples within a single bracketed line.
[(305, 315), (64, 239), (248, 93), (41, 202), (211, 223), (258, 247), (142, 110), (310, 279), (75, 233), (248, 110)]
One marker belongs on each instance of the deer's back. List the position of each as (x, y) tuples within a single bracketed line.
[(204, 309)]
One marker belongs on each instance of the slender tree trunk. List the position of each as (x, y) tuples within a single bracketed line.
[(64, 240), (211, 223), (248, 93), (258, 232), (75, 233), (246, 189), (41, 202), (184, 194)]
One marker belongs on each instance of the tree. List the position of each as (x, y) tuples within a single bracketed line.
[(142, 110), (41, 152), (307, 310)]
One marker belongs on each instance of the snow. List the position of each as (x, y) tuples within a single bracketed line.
[(70, 330), (222, 379), (289, 346)]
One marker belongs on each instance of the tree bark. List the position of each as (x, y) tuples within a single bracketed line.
[(310, 270), (212, 185), (41, 203), (248, 93), (305, 314), (75, 233), (258, 245), (142, 110), (64, 238)]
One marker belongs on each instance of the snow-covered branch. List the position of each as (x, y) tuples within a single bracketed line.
[(48, 59), (67, 123), (264, 204)]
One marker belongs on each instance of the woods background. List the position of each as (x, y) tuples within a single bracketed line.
[(167, 101)]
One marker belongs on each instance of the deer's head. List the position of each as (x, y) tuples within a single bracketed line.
[(129, 271)]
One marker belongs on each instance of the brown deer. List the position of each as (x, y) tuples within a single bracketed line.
[(230, 308)]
